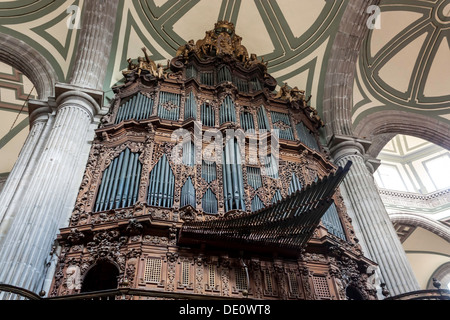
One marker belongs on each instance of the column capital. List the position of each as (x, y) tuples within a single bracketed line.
[(88, 99), (341, 146), (39, 110)]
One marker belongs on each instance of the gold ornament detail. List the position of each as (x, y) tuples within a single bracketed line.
[(221, 41)]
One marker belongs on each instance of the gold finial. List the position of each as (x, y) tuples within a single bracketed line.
[(224, 26)]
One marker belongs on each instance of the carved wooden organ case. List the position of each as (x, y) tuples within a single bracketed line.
[(149, 208)]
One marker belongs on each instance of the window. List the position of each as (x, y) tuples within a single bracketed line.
[(293, 283), (241, 279), (152, 272), (388, 177), (438, 170), (211, 276), (321, 287), (185, 273), (268, 281)]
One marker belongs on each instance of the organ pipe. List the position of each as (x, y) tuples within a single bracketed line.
[(120, 183), (161, 185)]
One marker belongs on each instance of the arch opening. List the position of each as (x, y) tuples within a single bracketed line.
[(102, 276)]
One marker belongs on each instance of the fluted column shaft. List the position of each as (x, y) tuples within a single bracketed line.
[(26, 246), (373, 227), (33, 144), (52, 186), (98, 23)]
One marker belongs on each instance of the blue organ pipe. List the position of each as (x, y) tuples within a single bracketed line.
[(158, 185), (188, 194), (263, 121), (209, 202), (139, 107), (232, 156), (164, 186), (110, 185), (257, 204), (128, 180), (277, 197), (171, 188), (121, 178), (209, 172), (102, 191), (254, 177), (137, 104), (228, 176), (225, 181), (295, 184), (149, 108), (115, 181), (240, 176), (137, 177), (141, 104), (190, 107), (115, 185), (332, 222), (286, 133), (151, 196)]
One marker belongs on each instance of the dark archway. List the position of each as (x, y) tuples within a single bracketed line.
[(103, 276), (353, 294)]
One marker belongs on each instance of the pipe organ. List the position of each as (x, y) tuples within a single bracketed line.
[(171, 220)]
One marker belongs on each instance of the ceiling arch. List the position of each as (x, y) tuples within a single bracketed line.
[(403, 66), (404, 122), (26, 59)]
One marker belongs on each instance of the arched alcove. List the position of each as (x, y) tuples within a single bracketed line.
[(102, 276)]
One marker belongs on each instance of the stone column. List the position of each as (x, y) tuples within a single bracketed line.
[(39, 119), (52, 187), (44, 209), (370, 219)]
